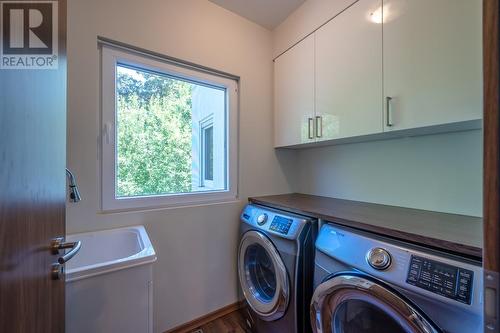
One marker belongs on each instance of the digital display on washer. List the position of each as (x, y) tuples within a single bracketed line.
[(281, 224), (442, 279)]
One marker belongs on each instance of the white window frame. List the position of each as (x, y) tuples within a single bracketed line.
[(204, 124), (110, 58)]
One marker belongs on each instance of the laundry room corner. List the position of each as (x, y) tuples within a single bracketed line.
[(199, 235)]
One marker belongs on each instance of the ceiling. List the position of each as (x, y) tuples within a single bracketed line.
[(267, 13)]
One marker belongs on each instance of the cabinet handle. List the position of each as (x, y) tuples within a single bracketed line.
[(310, 124), (388, 113), (319, 126)]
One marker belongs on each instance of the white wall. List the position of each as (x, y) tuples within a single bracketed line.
[(196, 268), (437, 172)]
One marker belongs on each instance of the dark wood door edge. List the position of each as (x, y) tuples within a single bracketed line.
[(491, 98), (491, 136), (194, 324)]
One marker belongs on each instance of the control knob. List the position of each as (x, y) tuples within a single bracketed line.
[(262, 219), (379, 258)]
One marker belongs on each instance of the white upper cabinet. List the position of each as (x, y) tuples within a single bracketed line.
[(432, 62), (348, 73), (408, 67), (294, 95)]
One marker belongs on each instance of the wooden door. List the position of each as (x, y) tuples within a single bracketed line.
[(432, 62), (349, 73), (32, 178), (294, 95), (491, 165)]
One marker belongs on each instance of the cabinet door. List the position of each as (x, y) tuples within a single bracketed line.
[(432, 62), (349, 73), (294, 95)]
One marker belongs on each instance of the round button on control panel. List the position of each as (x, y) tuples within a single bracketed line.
[(379, 258), (262, 219)]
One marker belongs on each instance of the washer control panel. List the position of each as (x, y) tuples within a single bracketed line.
[(277, 222), (441, 279), (452, 282), (281, 224)]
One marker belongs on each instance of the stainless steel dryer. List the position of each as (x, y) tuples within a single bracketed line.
[(370, 284), (275, 268)]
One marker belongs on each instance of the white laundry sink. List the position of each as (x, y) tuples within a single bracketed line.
[(109, 282)]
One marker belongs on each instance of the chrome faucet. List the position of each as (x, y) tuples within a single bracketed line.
[(74, 193)]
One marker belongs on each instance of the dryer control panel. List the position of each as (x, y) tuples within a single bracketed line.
[(442, 279)]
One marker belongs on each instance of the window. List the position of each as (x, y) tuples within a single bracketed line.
[(207, 154), (169, 133)]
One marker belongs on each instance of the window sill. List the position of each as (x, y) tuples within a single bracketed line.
[(160, 207)]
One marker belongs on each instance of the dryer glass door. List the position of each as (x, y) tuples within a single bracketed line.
[(352, 303), (263, 276)]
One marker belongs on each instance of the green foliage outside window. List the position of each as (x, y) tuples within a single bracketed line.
[(153, 134)]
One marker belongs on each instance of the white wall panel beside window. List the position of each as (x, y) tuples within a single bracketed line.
[(169, 133), (209, 141)]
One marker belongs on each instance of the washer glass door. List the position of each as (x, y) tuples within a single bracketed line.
[(353, 303), (262, 275), (260, 269)]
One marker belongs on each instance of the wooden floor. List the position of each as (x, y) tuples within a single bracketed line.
[(230, 323)]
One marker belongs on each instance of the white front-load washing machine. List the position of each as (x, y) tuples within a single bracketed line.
[(275, 268), (366, 283)]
